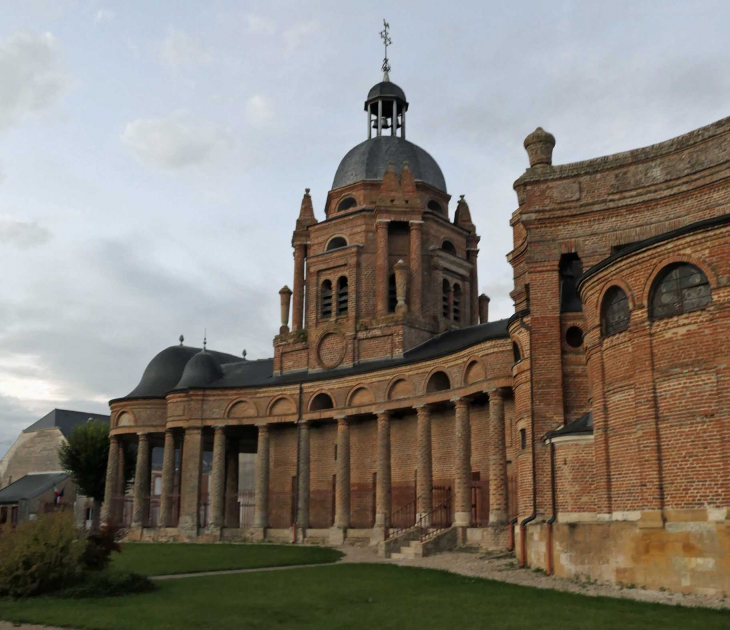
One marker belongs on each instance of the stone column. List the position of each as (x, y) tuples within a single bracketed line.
[(303, 477), (424, 463), (381, 267), (401, 287), (342, 494), (108, 513), (140, 505), (416, 233), (190, 481), (168, 479), (218, 477), (261, 511), (497, 460), (232, 510), (462, 465), (298, 294), (383, 479), (285, 301)]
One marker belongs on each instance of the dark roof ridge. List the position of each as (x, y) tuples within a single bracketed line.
[(653, 240)]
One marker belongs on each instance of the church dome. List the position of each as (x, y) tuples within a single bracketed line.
[(369, 159), (201, 370)]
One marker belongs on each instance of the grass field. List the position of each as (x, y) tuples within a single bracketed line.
[(356, 597), (165, 559)]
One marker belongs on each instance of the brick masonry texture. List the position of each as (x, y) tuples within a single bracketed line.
[(641, 499)]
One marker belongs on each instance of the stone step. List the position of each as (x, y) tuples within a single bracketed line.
[(395, 555), (409, 552), (415, 543)]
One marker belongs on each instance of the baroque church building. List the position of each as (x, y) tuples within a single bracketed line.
[(589, 433)]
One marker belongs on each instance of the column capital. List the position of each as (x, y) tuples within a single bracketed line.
[(495, 392), (219, 427), (114, 438), (143, 435), (460, 401), (415, 225), (381, 223), (263, 427), (342, 420), (383, 414)]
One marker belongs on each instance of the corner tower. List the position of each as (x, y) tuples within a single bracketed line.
[(386, 269)]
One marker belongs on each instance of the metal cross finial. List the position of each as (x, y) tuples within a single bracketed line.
[(182, 338), (244, 355), (205, 338), (387, 41)]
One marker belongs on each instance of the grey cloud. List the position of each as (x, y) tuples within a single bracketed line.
[(174, 142), (181, 49), (23, 234), (31, 78)]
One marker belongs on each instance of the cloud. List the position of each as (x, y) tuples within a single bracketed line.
[(260, 25), (180, 49), (259, 109), (296, 33), (174, 142), (31, 79), (104, 15), (22, 234)]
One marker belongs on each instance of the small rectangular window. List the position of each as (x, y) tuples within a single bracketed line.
[(523, 439), (335, 452)]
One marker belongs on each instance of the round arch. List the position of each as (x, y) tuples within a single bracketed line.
[(360, 395), (321, 400), (240, 408), (125, 418), (281, 406), (336, 242), (438, 380), (473, 371), (399, 387), (709, 272)]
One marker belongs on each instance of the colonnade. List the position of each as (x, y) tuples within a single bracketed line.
[(224, 472)]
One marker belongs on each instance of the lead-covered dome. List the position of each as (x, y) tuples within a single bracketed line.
[(369, 159), (203, 369), (386, 89)]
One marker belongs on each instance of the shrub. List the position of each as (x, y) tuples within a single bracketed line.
[(100, 545), (107, 584), (40, 556)]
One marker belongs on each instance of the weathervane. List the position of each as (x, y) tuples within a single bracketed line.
[(387, 42), (205, 339)]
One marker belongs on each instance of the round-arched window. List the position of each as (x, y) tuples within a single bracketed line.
[(435, 206), (615, 313), (448, 247), (438, 382), (679, 288), (516, 355), (321, 401), (346, 204), (336, 243)]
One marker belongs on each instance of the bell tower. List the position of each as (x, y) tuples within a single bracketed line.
[(386, 269)]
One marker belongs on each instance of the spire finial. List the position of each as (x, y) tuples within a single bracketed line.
[(205, 339), (244, 354), (385, 36), (182, 338)]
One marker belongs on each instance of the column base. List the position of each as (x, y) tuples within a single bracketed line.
[(462, 519), (495, 537), (377, 535), (424, 519), (134, 533), (258, 533), (337, 536), (213, 533)]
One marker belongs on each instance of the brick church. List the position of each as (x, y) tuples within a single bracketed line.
[(589, 432)]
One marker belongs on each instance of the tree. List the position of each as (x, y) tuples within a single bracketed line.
[(84, 456)]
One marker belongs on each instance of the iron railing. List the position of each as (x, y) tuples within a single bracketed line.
[(402, 519), (436, 521)]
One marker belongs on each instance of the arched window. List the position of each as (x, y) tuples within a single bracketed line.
[(438, 382), (346, 204), (336, 243), (392, 294), (448, 247), (325, 296), (571, 269), (321, 401), (615, 313), (445, 299), (679, 288), (435, 206), (342, 295), (456, 309)]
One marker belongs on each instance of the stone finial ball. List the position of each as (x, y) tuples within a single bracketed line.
[(539, 146)]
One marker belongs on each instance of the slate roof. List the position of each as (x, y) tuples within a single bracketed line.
[(64, 420), (369, 159), (31, 486), (240, 373), (583, 425), (386, 89)]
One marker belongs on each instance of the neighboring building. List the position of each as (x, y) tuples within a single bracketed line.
[(36, 451), (592, 425), (34, 494)]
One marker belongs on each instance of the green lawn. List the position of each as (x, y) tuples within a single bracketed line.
[(165, 559), (356, 597)]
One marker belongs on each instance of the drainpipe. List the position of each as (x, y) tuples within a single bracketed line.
[(295, 498), (529, 519), (549, 542)]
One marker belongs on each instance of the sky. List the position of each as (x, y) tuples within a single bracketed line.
[(153, 155)]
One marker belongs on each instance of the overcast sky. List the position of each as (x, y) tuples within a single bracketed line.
[(153, 155)]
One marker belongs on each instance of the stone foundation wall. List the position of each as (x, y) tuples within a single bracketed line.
[(688, 556)]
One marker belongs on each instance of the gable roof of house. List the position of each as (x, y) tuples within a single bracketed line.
[(30, 486), (64, 420)]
